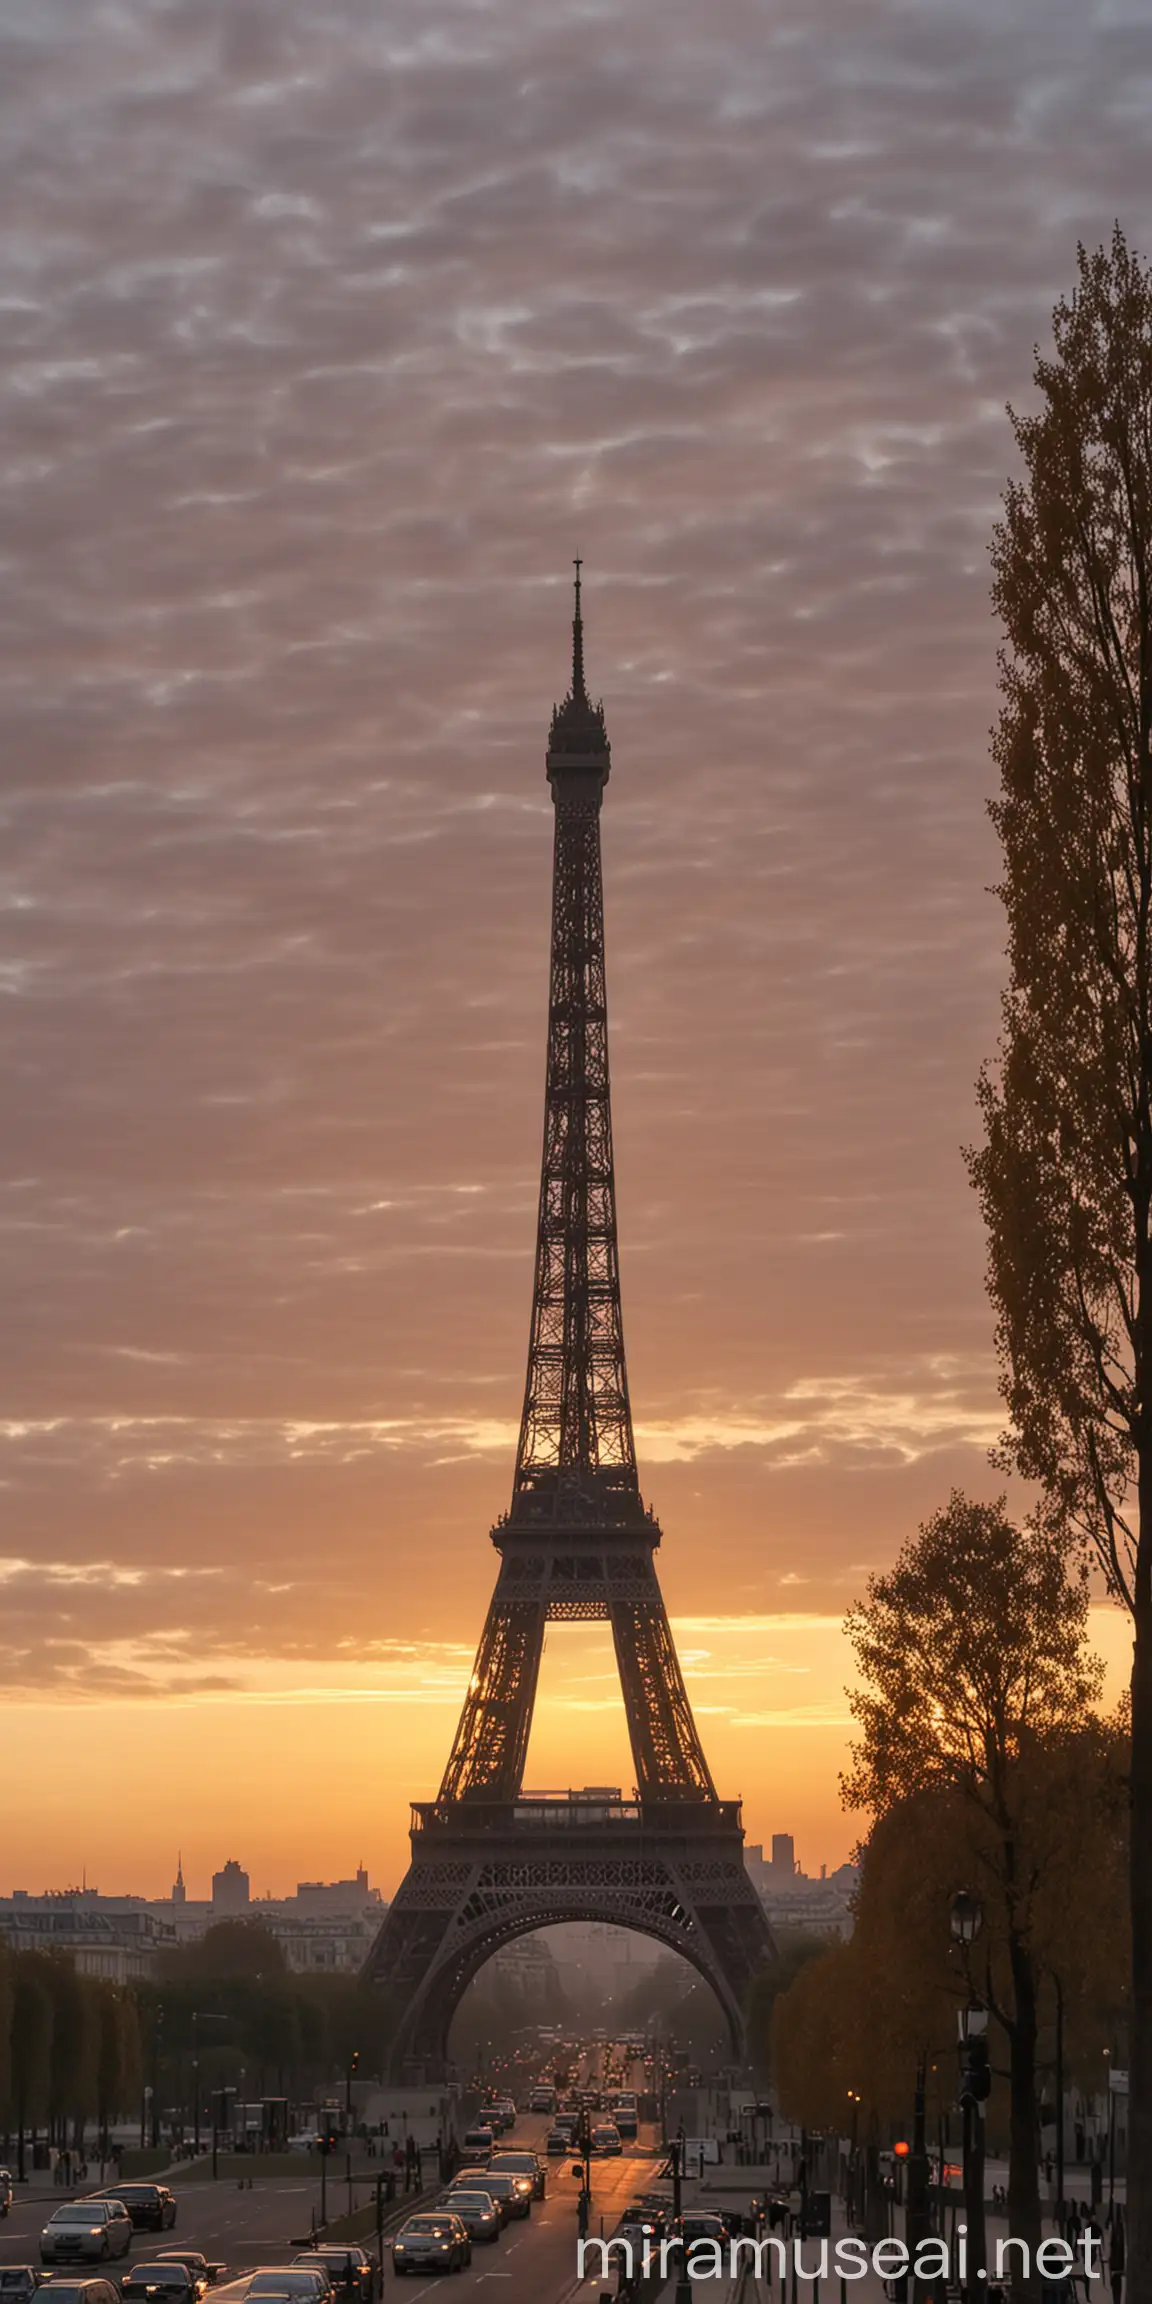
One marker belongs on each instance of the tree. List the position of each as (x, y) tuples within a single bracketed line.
[(229, 1948), (30, 2043), (75, 2038), (976, 1691), (794, 1951), (119, 2060), (1064, 1173)]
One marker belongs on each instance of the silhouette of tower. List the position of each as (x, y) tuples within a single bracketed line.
[(578, 1542)]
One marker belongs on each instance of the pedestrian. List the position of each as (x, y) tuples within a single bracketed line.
[(583, 2207)]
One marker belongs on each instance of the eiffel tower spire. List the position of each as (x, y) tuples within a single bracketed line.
[(576, 1457), (578, 1540)]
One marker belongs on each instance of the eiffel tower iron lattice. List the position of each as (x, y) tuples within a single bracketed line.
[(490, 1862)]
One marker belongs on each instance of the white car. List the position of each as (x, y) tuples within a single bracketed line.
[(85, 2231)]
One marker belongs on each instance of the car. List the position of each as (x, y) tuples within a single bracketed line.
[(477, 2181), (20, 2281), (162, 2283), (152, 2207), (542, 2099), (524, 2166), (5, 2190), (350, 2269), (81, 2291), (435, 2239), (93, 2228), (311, 2261), (479, 2213), (205, 2272), (557, 2141), (606, 2143), (700, 2224), (500, 2113), (510, 2195), (477, 2146), (305, 2282)]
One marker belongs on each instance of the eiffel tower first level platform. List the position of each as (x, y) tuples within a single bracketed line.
[(489, 1861)]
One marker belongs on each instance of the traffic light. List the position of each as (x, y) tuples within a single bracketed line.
[(976, 2077), (328, 2137)]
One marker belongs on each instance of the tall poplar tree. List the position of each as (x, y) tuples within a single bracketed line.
[(1065, 1170)]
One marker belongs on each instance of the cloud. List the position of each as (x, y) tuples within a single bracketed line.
[(331, 335)]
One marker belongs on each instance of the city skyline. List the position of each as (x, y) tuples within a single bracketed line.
[(305, 431)]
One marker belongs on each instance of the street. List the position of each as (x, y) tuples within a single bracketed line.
[(533, 2263)]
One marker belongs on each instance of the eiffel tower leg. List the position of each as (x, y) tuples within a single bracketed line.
[(666, 1749), (491, 1745)]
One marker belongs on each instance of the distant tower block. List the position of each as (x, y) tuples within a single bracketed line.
[(179, 1891), (489, 1861), (231, 1891), (784, 1853)]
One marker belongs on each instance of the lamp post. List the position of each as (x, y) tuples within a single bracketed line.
[(967, 1921), (199, 2016), (157, 2029), (1059, 2107), (349, 2078)]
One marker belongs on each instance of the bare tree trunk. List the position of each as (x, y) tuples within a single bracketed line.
[(1139, 2278)]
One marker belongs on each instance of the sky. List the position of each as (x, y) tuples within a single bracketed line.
[(331, 333)]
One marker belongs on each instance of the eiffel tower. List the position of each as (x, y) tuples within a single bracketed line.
[(490, 1861)]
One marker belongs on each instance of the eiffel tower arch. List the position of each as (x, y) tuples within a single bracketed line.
[(490, 1861)]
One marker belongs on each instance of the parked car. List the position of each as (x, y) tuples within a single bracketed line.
[(437, 2238), (152, 2207), (478, 2213), (91, 2228), (351, 2270), (18, 2282), (157, 2283), (524, 2166)]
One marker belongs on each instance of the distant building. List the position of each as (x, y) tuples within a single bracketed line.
[(791, 1899), (231, 1891), (328, 1925), (118, 1938)]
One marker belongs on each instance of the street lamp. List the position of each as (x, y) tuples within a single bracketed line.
[(972, 2025), (200, 2016)]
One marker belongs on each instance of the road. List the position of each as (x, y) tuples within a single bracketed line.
[(534, 2262)]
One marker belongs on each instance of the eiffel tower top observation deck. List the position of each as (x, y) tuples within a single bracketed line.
[(576, 1459)]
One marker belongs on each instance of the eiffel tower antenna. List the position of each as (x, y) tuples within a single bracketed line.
[(576, 1543)]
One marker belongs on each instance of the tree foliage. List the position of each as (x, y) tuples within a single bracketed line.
[(1065, 1172), (976, 1724)]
